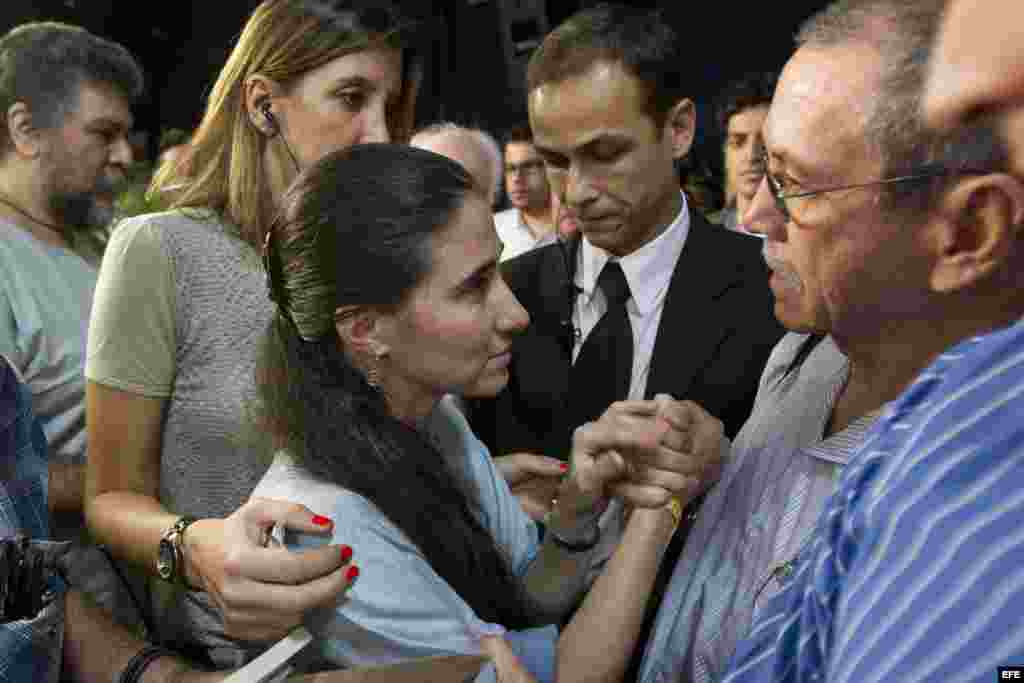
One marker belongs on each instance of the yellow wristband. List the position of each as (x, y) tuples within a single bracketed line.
[(675, 507)]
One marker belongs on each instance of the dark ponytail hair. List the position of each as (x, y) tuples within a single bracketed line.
[(356, 229)]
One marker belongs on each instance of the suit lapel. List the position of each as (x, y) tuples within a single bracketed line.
[(542, 352), (691, 325)]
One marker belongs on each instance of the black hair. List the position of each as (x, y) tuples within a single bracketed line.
[(44, 64), (752, 90), (641, 41), (356, 229), (520, 132)]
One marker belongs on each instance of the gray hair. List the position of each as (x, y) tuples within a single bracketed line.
[(903, 32), (480, 140), (43, 64)]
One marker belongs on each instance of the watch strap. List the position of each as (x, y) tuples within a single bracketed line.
[(574, 546), (173, 536)]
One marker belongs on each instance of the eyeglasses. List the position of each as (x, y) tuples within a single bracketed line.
[(526, 167), (925, 173)]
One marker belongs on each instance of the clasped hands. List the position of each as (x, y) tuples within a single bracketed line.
[(646, 453)]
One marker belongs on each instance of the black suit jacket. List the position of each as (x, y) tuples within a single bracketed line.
[(714, 337)]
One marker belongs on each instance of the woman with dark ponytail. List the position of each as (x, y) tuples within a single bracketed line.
[(382, 264)]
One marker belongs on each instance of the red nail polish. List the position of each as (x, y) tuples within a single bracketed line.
[(346, 553), (564, 467), (320, 520), (352, 574)]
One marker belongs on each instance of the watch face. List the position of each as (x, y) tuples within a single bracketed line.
[(165, 560)]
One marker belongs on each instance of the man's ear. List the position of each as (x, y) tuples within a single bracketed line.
[(362, 330), (978, 231), (24, 135), (681, 127)]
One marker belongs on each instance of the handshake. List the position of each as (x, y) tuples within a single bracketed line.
[(645, 452)]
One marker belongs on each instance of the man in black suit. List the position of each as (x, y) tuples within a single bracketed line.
[(610, 114), (653, 299)]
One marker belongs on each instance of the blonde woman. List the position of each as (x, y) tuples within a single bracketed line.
[(179, 308)]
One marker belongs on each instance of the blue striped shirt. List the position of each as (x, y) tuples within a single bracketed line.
[(916, 572)]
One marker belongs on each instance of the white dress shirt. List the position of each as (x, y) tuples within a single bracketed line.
[(514, 233), (648, 271)]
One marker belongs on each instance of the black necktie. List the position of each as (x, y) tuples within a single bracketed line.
[(601, 374)]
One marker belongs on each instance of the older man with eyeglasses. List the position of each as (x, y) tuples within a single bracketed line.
[(889, 244), (905, 244)]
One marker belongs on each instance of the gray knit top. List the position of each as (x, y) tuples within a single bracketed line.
[(180, 308)]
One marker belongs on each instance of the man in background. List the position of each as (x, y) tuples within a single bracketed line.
[(741, 114), (529, 222), (65, 96)]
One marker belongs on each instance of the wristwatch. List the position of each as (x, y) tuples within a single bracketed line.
[(170, 563), (583, 538)]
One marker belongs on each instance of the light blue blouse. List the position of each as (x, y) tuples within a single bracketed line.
[(399, 608)]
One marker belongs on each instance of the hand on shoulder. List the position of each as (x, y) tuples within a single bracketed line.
[(263, 591)]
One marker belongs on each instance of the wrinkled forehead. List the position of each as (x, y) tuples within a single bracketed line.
[(823, 104), (94, 100), (605, 99)]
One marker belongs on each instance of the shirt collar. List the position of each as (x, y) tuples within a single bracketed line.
[(838, 448), (648, 270)]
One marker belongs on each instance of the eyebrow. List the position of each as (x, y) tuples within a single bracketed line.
[(485, 267), (527, 160), (365, 83), (350, 81), (106, 121), (602, 138)]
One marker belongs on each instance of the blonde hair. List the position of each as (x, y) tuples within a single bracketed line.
[(223, 169)]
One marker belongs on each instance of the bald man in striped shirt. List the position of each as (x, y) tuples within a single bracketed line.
[(915, 571)]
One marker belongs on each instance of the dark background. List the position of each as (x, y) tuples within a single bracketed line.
[(473, 77)]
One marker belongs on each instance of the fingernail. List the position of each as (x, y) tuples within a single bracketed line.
[(320, 520), (564, 467), (346, 553), (352, 574)]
